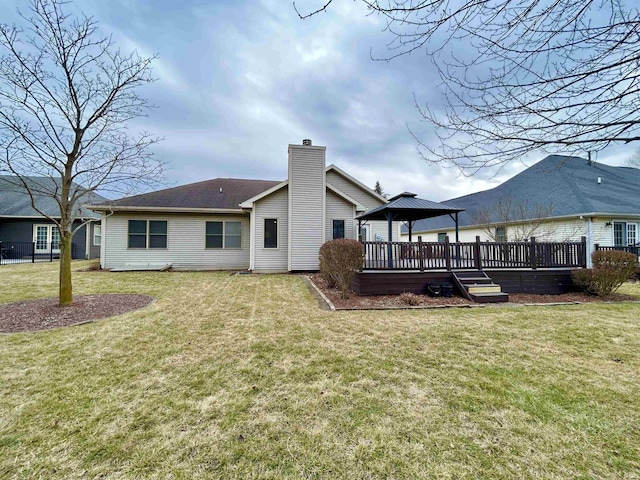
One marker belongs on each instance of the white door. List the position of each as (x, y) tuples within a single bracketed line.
[(46, 238)]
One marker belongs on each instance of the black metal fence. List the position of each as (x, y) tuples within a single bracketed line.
[(31, 252), (473, 255)]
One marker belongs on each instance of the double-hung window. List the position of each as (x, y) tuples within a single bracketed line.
[(147, 234), (97, 234), (223, 235), (501, 234), (338, 229)]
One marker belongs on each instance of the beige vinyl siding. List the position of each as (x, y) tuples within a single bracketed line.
[(354, 191), (271, 206), (378, 229), (339, 209), (551, 231), (185, 243), (306, 206)]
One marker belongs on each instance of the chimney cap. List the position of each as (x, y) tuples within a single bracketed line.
[(306, 142)]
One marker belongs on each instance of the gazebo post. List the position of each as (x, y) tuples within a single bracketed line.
[(457, 232), (410, 227), (390, 239)]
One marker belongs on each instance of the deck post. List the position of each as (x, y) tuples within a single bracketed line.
[(33, 252), (476, 253), (532, 253), (583, 253), (447, 253), (390, 239), (420, 254)]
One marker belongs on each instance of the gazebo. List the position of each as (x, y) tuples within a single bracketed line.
[(407, 207)]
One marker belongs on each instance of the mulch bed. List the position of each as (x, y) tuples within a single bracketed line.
[(44, 314), (376, 302)]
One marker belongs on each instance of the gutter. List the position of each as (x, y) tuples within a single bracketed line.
[(117, 208)]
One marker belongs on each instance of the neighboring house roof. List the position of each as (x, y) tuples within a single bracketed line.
[(218, 194), (569, 186), (408, 207), (16, 202)]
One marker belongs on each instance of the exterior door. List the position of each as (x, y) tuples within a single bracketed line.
[(46, 237)]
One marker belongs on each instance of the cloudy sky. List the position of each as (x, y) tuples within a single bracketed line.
[(238, 81)]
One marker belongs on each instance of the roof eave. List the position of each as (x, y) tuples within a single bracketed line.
[(125, 208), (249, 203)]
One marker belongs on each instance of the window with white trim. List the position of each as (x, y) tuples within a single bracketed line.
[(501, 234), (147, 234), (223, 234), (97, 235), (270, 233)]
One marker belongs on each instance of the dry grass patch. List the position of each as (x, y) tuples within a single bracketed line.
[(245, 377)]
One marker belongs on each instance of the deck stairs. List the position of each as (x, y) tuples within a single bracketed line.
[(477, 286)]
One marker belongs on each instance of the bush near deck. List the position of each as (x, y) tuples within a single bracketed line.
[(611, 268)]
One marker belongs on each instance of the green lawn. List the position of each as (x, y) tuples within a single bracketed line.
[(246, 377)]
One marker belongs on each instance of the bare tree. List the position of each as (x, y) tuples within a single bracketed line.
[(518, 220), (521, 75), (66, 97)]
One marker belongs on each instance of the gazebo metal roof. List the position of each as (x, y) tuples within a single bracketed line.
[(408, 207)]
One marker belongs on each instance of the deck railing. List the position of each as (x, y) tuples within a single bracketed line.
[(635, 249), (473, 255)]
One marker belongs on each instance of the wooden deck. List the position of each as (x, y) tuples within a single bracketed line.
[(517, 267)]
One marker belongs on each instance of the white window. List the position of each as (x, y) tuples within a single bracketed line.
[(632, 238), (223, 235), (46, 238), (147, 234), (97, 235)]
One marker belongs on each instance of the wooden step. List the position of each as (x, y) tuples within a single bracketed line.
[(483, 288), (475, 280), (490, 297)]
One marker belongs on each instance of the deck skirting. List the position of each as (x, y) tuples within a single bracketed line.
[(548, 281)]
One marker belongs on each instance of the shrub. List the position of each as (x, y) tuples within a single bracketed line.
[(611, 268), (409, 298), (339, 259)]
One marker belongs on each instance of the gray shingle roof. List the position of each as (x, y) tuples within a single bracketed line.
[(569, 185), (15, 201), (223, 193)]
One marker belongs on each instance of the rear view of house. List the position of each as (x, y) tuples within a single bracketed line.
[(225, 223)]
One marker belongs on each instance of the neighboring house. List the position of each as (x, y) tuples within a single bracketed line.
[(557, 199), (227, 223), (21, 223)]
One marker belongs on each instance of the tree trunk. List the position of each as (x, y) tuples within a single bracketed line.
[(66, 292)]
